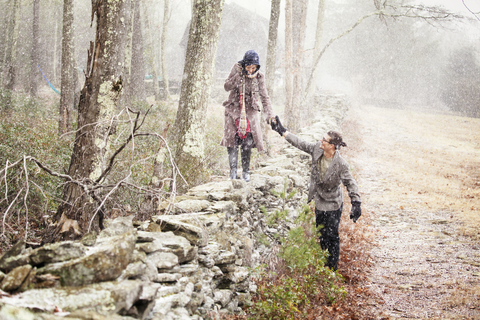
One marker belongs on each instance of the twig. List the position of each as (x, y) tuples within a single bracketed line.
[(130, 137), (25, 197), (104, 200), (6, 183), (474, 13), (8, 209)]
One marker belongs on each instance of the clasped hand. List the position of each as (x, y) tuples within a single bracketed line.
[(277, 125)]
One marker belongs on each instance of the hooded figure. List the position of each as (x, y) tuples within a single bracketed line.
[(242, 122)]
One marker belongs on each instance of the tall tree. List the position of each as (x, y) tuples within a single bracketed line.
[(35, 55), (189, 128), (271, 61), (163, 54), (8, 74), (272, 45), (299, 26), (81, 208), (151, 52), (67, 92), (137, 78), (290, 117)]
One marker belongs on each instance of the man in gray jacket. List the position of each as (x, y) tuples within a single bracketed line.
[(329, 170)]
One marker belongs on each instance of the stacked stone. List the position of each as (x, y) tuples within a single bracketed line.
[(195, 260)]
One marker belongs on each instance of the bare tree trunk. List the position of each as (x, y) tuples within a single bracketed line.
[(98, 101), (316, 53), (272, 45), (55, 44), (67, 92), (163, 53), (137, 78), (189, 127), (289, 111), (34, 78), (127, 63), (152, 56), (9, 67), (271, 61), (299, 27)]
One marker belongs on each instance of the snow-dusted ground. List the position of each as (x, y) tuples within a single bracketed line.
[(419, 175)]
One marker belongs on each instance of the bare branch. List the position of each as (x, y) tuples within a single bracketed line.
[(100, 193), (426, 13), (8, 209), (469, 10), (100, 207), (310, 86), (27, 186)]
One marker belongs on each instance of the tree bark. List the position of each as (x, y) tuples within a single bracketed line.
[(289, 112), (67, 92), (189, 127), (163, 53), (9, 62), (271, 63), (152, 56), (98, 100), (299, 28), (272, 45), (34, 78), (137, 79)]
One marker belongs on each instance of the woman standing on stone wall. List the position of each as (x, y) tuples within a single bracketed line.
[(242, 124)]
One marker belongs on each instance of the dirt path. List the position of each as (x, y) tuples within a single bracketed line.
[(420, 177)]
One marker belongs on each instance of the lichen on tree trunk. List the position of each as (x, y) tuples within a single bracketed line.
[(98, 100), (189, 127)]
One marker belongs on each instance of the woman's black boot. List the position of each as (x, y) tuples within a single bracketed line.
[(233, 159), (246, 154)]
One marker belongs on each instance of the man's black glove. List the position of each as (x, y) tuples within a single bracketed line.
[(356, 211), (277, 126)]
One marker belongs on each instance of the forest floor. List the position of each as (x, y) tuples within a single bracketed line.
[(419, 177)]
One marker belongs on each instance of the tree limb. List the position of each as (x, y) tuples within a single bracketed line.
[(426, 13)]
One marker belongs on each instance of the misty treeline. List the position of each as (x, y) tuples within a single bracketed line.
[(81, 75)]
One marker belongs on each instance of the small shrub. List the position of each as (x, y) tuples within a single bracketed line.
[(290, 293)]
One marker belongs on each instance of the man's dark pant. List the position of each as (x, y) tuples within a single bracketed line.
[(329, 239)]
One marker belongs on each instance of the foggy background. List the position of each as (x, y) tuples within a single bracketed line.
[(393, 62)]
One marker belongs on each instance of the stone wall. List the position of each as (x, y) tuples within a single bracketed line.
[(186, 265)]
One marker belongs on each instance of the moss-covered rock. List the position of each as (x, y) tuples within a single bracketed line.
[(57, 252), (14, 279), (105, 262)]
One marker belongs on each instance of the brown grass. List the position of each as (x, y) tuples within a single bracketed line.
[(436, 166), (433, 166)]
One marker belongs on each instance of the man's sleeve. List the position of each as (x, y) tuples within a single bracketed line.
[(298, 143)]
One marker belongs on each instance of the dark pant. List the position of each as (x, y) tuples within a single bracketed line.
[(329, 239), (245, 144)]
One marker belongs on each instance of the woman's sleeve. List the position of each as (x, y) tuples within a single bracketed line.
[(265, 98), (234, 79)]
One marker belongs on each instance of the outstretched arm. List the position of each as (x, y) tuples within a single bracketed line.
[(295, 141)]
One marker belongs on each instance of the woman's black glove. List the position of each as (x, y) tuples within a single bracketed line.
[(356, 211), (277, 126)]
